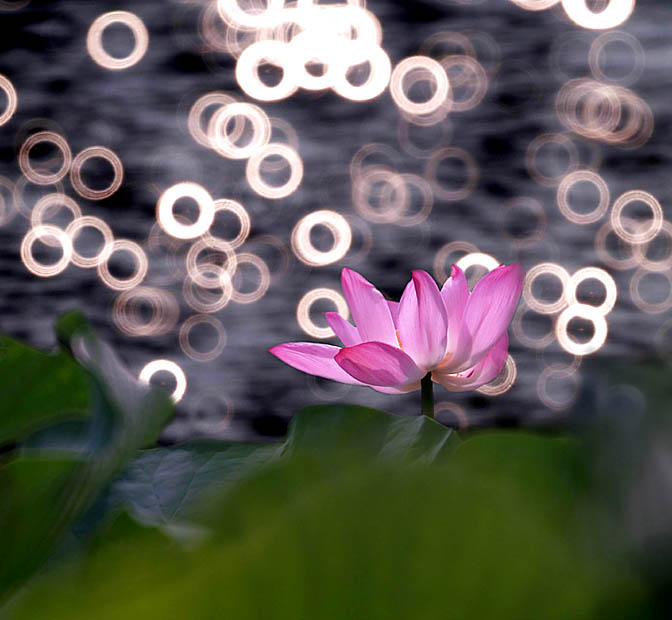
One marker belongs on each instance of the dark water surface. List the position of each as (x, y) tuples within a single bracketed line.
[(141, 113)]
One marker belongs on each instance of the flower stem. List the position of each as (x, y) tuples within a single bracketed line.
[(427, 396)]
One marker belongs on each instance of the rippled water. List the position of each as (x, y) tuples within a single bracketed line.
[(140, 113)]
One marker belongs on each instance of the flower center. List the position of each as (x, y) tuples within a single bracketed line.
[(401, 346)]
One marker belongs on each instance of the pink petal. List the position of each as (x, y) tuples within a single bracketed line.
[(455, 294), (487, 315), (423, 325), (485, 371), (394, 311), (345, 331), (402, 389), (369, 309), (315, 359), (379, 364)]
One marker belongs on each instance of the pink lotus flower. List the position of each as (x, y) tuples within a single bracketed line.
[(457, 336)]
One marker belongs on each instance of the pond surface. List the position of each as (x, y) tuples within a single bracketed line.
[(510, 213)]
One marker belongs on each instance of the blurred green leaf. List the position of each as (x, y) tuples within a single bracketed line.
[(37, 389), (470, 538), (374, 434), (166, 484), (45, 491), (70, 325)]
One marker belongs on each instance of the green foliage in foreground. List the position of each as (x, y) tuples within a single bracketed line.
[(305, 539), (358, 514), (37, 389), (46, 487)]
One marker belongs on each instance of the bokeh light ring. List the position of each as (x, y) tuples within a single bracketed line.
[(588, 313), (589, 108), (504, 382), (232, 206), (479, 81), (206, 210), (274, 192), (54, 201), (558, 372), (476, 259), (614, 262), (644, 232), (356, 52), (40, 269), (395, 193), (162, 365), (535, 5), (598, 47), (544, 307), (640, 302), (339, 228), (189, 350), (593, 273), (264, 279), (38, 176), (303, 311), (406, 219), (583, 176), (76, 173), (358, 165), (128, 318), (224, 142), (415, 69), (639, 251), (275, 52), (22, 205), (453, 247), (453, 408), (141, 265), (12, 100), (194, 119), (614, 14), (207, 300), (198, 270), (94, 40), (232, 13), (90, 221)]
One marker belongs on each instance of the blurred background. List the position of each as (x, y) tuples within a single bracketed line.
[(194, 175)]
